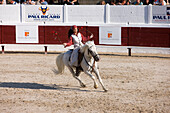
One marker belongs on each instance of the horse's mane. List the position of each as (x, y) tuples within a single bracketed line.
[(87, 44)]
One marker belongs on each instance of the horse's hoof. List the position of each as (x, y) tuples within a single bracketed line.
[(105, 90), (83, 86), (95, 86)]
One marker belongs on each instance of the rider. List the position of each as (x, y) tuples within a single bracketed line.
[(77, 39)]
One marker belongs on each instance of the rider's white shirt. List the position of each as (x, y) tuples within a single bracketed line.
[(77, 40)]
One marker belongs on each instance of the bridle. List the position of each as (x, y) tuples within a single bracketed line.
[(94, 55)]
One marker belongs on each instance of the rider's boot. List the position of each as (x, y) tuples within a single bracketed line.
[(78, 70)]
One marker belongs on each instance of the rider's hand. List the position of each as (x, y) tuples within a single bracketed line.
[(64, 44), (91, 36)]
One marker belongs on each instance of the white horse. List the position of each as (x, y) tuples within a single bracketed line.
[(88, 64)]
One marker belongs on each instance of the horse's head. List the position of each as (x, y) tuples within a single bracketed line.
[(90, 50)]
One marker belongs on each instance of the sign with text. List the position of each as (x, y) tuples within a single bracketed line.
[(161, 14), (27, 34), (110, 35), (43, 13)]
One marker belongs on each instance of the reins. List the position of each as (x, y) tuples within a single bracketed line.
[(89, 64)]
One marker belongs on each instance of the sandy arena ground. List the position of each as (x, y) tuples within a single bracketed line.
[(137, 84)]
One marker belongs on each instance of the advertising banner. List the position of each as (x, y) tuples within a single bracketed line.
[(42, 13), (110, 35), (27, 34), (161, 14)]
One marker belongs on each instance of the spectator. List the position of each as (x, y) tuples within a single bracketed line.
[(74, 2), (23, 1), (128, 2), (122, 2), (60, 2), (37, 2), (71, 2), (43, 2), (29, 2), (11, 2), (1, 1), (159, 2), (146, 2), (51, 2), (138, 2), (162, 2), (118, 2), (112, 2), (102, 2), (66, 2)]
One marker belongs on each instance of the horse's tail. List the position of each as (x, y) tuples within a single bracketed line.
[(60, 64)]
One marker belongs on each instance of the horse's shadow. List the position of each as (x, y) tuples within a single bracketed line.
[(43, 86)]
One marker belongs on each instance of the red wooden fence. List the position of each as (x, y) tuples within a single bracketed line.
[(130, 36)]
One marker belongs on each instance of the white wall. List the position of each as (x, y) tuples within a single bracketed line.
[(10, 14), (104, 14), (129, 14), (86, 14)]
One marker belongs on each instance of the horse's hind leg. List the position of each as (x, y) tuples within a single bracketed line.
[(76, 77)]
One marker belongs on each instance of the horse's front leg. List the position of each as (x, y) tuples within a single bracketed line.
[(93, 78), (96, 71), (76, 77)]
